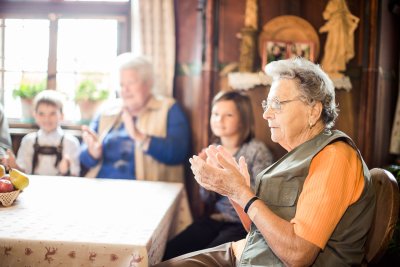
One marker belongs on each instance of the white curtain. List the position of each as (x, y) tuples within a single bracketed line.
[(153, 35)]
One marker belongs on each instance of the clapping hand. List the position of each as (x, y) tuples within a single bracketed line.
[(9, 160), (220, 172), (212, 153), (202, 154), (63, 166), (92, 141), (131, 128)]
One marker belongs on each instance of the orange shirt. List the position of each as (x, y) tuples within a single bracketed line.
[(335, 181)]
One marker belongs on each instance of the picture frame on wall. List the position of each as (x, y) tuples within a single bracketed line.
[(302, 49), (274, 50)]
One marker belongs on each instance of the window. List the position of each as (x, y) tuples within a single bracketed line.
[(60, 44)]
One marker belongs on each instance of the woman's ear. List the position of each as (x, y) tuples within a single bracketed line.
[(315, 113)]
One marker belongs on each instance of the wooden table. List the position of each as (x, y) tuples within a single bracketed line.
[(72, 221)]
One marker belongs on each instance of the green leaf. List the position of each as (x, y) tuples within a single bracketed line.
[(87, 90), (29, 90)]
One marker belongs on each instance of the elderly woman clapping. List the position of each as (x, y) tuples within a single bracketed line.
[(313, 206)]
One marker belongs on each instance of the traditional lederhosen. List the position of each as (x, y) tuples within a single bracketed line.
[(46, 150)]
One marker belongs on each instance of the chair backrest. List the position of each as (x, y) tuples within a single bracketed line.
[(386, 214)]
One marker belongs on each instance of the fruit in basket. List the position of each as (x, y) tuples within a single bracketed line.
[(2, 171), (6, 186), (18, 179), (6, 177)]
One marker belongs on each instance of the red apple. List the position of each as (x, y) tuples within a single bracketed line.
[(6, 186), (5, 177)]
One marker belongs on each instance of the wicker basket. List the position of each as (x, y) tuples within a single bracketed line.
[(8, 198)]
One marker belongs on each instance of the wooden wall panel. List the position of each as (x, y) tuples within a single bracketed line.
[(387, 83), (379, 84), (231, 18), (197, 72), (188, 82), (188, 30)]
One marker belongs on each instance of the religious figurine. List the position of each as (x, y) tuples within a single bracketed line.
[(248, 36), (247, 49), (339, 46), (395, 139)]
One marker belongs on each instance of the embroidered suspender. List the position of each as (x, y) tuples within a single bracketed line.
[(46, 150)]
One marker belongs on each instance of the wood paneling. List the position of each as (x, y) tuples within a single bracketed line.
[(379, 85), (231, 19), (194, 81), (387, 85)]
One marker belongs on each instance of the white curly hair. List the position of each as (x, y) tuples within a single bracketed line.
[(313, 83)]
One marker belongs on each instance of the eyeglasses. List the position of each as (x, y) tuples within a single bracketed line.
[(274, 104)]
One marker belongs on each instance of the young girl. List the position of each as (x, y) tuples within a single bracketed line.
[(232, 124)]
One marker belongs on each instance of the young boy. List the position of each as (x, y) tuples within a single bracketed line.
[(49, 151)]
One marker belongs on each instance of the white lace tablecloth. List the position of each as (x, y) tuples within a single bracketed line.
[(69, 221)]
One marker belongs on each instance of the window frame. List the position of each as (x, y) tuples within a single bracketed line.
[(54, 10)]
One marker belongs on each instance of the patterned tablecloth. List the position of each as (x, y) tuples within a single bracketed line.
[(69, 221)]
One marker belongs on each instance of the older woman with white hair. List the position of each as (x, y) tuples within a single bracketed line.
[(314, 206), (143, 136)]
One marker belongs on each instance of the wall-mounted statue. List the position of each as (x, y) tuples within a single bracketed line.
[(248, 34), (339, 46)]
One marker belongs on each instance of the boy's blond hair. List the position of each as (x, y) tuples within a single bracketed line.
[(49, 97)]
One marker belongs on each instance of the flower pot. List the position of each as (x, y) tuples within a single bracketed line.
[(88, 109), (27, 110)]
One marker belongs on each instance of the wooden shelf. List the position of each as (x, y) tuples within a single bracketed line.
[(249, 80)]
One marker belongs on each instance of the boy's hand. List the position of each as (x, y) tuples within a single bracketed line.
[(92, 141), (63, 166)]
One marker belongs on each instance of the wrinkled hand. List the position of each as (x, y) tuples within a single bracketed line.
[(92, 141), (221, 173), (63, 166), (212, 151), (202, 154), (131, 128)]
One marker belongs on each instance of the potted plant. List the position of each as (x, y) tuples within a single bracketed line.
[(89, 97), (26, 92)]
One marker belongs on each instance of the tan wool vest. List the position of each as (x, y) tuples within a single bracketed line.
[(153, 122)]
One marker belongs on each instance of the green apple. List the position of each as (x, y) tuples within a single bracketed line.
[(18, 179)]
